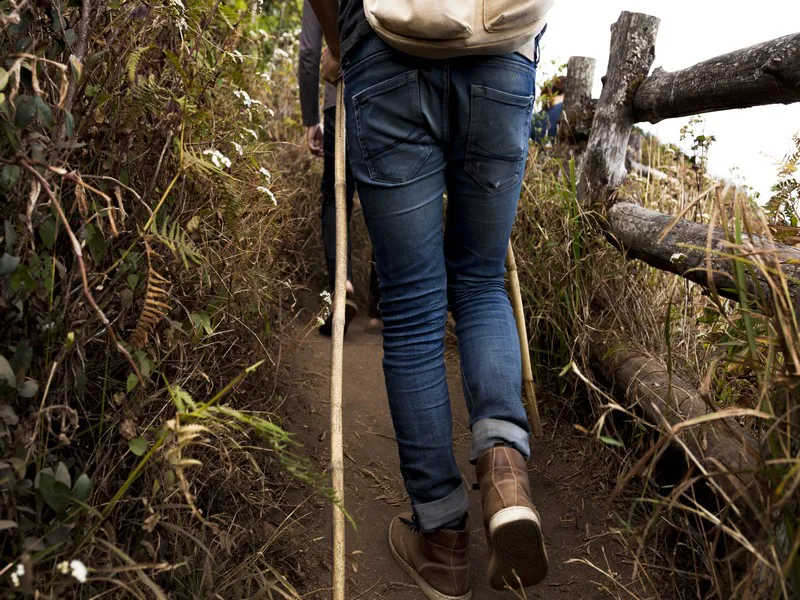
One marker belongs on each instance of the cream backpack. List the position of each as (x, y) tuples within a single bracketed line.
[(449, 28)]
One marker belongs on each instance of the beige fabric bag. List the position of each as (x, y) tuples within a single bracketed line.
[(449, 28)]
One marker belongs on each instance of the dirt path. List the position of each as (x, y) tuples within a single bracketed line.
[(567, 490)]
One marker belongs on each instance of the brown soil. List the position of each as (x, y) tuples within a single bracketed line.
[(568, 480)]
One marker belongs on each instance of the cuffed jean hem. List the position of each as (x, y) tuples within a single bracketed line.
[(434, 515), (488, 432)]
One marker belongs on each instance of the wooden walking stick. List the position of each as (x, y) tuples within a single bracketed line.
[(522, 331), (337, 354)]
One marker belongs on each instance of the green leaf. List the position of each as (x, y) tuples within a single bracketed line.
[(7, 376), (611, 441), (45, 112), (62, 474), (8, 179), (47, 232), (21, 280), (133, 279), (55, 494), (4, 75), (138, 446), (25, 110), (8, 416), (95, 242), (69, 124), (132, 382), (82, 488), (23, 355), (28, 388), (8, 264), (70, 36)]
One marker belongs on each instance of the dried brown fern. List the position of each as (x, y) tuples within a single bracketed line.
[(155, 305)]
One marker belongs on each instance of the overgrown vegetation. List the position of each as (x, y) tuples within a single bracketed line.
[(582, 291), (146, 271), (160, 230)]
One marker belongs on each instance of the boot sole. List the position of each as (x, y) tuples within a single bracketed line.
[(423, 585), (518, 556)]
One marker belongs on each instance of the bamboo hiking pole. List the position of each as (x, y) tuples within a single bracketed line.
[(522, 331), (337, 354)]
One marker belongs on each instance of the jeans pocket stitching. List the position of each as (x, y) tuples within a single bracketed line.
[(470, 157), (410, 79)]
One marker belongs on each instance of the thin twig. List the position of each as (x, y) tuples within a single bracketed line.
[(76, 248)]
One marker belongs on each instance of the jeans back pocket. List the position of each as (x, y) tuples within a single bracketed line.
[(497, 143), (391, 128)]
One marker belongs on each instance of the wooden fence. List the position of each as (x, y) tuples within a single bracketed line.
[(597, 132)]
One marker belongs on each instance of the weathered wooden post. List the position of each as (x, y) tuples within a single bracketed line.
[(576, 119), (633, 41)]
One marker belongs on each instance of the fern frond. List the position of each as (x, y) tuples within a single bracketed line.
[(133, 61), (155, 303), (174, 237)]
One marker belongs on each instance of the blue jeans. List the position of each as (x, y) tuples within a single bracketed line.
[(416, 129)]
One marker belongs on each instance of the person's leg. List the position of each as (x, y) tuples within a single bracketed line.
[(394, 117), (492, 100)]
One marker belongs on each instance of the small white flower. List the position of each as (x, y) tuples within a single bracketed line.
[(269, 194), (252, 132), (79, 570), (320, 322), (15, 580), (178, 3), (281, 53), (238, 147), (265, 76), (270, 112), (218, 158), (20, 570), (326, 297), (182, 26), (237, 56), (63, 567), (267, 175), (677, 257)]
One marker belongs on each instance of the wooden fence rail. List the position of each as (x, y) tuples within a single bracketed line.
[(762, 74)]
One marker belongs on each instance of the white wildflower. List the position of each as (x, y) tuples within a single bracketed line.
[(265, 76), (270, 112), (281, 53), (78, 570), (269, 194), (218, 158), (326, 297), (20, 570), (178, 3), (252, 132), (238, 147), (15, 580), (182, 26), (237, 56), (63, 567), (267, 175), (320, 322), (677, 257)]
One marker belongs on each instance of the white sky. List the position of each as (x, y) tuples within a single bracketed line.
[(691, 31)]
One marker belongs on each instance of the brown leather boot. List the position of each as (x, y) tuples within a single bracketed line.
[(438, 562), (516, 545)]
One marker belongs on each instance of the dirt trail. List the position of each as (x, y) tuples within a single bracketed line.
[(567, 490)]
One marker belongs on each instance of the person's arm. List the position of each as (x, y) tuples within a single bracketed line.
[(308, 77), (327, 12)]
